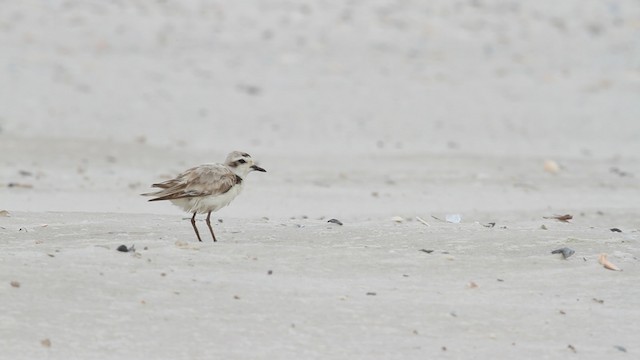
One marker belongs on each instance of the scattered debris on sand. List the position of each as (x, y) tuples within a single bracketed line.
[(562, 218), (551, 167), (397, 219), (124, 248), (565, 251), (422, 221), (620, 348), (602, 259), (20, 185), (453, 218)]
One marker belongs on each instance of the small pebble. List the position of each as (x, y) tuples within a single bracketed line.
[(270, 272), (565, 251), (19, 185), (371, 294), (551, 167), (15, 284), (615, 230), (335, 221), (426, 251), (621, 348), (45, 343)]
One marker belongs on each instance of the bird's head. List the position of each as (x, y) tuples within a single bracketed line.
[(241, 163)]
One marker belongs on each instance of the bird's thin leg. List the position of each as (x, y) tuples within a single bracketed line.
[(193, 222), (209, 225)]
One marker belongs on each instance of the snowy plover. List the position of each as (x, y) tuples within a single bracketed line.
[(207, 188)]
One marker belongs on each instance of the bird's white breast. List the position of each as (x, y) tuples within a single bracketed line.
[(204, 204)]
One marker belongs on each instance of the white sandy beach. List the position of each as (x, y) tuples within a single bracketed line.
[(359, 111)]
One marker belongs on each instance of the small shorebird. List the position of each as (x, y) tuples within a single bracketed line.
[(207, 188)]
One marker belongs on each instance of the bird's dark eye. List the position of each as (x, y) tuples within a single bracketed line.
[(242, 161)]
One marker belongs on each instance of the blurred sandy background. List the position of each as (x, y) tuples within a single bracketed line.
[(490, 77), (99, 90), (360, 110)]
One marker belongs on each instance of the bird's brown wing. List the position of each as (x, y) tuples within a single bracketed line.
[(203, 180)]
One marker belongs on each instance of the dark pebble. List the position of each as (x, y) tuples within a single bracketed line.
[(615, 230), (426, 251), (123, 248), (371, 294), (335, 221)]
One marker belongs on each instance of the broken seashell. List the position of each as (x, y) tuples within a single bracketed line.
[(602, 259), (422, 221), (565, 251), (453, 218)]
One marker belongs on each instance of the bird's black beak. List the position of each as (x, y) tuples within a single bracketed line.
[(258, 168)]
